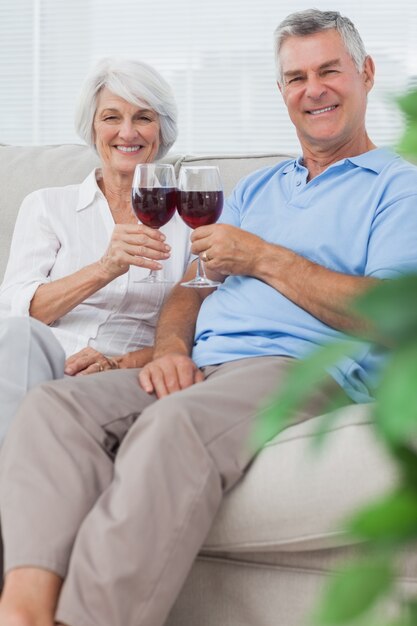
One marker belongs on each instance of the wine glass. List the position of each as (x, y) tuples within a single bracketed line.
[(200, 202), (154, 200)]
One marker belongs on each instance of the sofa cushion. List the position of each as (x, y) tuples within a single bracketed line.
[(26, 168), (295, 497)]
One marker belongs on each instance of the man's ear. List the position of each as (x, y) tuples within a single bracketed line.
[(368, 73)]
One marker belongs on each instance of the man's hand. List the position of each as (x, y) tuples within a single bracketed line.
[(88, 361), (227, 249), (169, 373)]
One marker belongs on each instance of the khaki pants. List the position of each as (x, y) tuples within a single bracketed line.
[(116, 492)]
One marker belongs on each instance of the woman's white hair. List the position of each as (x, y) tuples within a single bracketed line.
[(137, 83), (313, 21)]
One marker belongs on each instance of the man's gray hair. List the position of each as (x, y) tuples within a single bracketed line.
[(314, 21), (137, 83)]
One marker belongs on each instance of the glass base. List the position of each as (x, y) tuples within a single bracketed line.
[(201, 282), (154, 280)]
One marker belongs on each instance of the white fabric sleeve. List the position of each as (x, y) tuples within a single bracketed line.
[(33, 252)]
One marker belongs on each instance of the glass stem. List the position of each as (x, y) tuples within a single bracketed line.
[(201, 272), (152, 277)]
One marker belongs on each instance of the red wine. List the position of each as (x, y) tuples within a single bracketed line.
[(155, 206), (198, 208)]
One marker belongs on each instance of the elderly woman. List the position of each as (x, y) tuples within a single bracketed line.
[(78, 251)]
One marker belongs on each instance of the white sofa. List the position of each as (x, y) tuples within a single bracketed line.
[(278, 533)]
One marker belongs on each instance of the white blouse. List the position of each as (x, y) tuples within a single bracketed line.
[(62, 229)]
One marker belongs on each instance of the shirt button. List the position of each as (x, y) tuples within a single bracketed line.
[(298, 183)]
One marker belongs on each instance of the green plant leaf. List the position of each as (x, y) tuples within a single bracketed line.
[(411, 610), (396, 409), (406, 457), (391, 306), (408, 104), (326, 422), (400, 621), (354, 591), (302, 380), (390, 520), (407, 146), (408, 615)]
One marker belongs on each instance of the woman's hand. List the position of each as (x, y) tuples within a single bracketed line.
[(134, 244), (89, 361)]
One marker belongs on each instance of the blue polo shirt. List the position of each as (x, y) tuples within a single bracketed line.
[(358, 217)]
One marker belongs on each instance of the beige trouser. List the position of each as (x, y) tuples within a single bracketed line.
[(116, 492)]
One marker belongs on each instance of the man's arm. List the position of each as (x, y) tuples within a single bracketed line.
[(172, 368), (322, 292)]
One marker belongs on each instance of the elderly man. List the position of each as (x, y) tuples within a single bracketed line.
[(109, 487)]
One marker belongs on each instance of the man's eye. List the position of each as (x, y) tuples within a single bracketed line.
[(294, 80)]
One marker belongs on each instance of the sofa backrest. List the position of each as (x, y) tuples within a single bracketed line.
[(233, 167), (26, 168)]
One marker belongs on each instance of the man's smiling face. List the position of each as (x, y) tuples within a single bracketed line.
[(324, 93)]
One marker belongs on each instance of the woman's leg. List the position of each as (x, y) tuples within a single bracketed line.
[(57, 459), (29, 355)]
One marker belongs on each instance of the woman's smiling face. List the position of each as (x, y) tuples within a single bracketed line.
[(125, 134)]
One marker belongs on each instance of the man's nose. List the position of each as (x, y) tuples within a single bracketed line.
[(315, 88)]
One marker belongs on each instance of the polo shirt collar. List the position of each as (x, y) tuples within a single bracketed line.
[(374, 160), (290, 167), (89, 190)]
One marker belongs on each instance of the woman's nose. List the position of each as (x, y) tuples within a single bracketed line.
[(128, 130)]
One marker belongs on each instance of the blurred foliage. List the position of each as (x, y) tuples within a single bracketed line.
[(408, 143), (356, 595), (389, 524)]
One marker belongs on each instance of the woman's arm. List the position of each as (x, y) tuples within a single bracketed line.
[(35, 249), (130, 244)]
